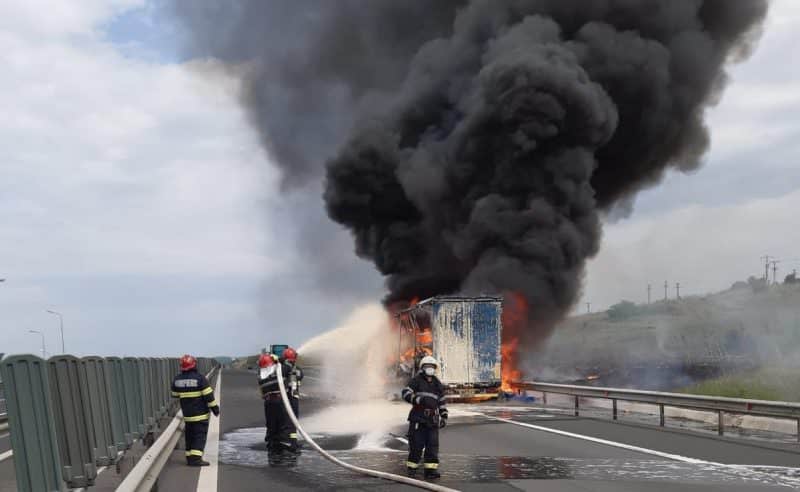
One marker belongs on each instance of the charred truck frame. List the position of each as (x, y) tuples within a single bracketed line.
[(464, 334)]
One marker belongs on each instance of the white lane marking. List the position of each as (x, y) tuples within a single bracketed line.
[(8, 454), (753, 470), (605, 442), (209, 474)]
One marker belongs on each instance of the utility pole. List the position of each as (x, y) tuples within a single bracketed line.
[(588, 308), (649, 287), (774, 272), (766, 259), (666, 286), (678, 290)]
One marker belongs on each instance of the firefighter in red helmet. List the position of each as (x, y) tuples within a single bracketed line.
[(281, 433), (266, 375), (197, 402), (295, 376)]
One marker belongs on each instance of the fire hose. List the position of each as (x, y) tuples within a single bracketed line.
[(364, 471)]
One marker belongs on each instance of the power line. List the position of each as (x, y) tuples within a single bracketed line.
[(766, 259)]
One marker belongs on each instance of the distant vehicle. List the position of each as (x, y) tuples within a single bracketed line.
[(276, 350), (464, 334)]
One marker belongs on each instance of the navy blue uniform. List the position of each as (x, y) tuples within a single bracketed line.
[(281, 432), (428, 413), (197, 403)]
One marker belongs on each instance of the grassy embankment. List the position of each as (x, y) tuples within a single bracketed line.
[(766, 384)]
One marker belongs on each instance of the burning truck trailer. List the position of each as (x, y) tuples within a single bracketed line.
[(464, 334)]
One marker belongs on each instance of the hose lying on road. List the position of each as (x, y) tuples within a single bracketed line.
[(365, 471)]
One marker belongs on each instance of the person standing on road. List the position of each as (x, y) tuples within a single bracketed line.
[(428, 414), (197, 399), (279, 425), (295, 378)]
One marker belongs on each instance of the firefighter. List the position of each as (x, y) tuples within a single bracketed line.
[(281, 434), (428, 414), (295, 378), (197, 399)]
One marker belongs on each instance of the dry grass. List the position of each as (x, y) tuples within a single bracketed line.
[(766, 384)]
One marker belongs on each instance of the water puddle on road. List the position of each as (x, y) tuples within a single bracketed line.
[(246, 447)]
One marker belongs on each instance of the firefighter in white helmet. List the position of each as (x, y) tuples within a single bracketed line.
[(428, 414)]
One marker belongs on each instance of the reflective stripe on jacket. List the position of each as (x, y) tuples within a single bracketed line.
[(195, 394), (424, 394)]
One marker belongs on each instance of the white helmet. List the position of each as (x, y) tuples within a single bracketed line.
[(428, 360)]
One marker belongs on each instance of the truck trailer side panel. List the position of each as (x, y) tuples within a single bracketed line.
[(466, 338)]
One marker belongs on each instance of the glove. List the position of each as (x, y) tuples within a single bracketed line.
[(215, 410), (442, 423)]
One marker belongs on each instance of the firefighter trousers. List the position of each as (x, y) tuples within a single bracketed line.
[(195, 434), (423, 437), (281, 433)]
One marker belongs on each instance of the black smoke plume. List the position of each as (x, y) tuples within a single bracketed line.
[(472, 146)]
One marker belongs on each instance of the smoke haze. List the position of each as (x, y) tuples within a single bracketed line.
[(474, 146)]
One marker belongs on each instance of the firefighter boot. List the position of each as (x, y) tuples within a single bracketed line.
[(196, 461), (432, 473)]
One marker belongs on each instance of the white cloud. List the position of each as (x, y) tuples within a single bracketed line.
[(706, 249), (117, 168), (56, 18), (124, 166)]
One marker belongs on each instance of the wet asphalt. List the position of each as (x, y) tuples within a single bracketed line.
[(479, 453)]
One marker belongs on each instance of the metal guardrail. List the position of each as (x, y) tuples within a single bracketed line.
[(720, 405), (67, 416)]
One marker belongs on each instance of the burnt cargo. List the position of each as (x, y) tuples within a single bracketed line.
[(463, 333)]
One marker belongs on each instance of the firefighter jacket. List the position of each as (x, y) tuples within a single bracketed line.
[(196, 396), (427, 399), (268, 378)]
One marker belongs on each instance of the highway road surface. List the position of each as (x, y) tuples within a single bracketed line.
[(498, 446), (487, 447)]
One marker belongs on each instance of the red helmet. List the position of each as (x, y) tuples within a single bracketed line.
[(188, 363), (290, 354), (265, 360)]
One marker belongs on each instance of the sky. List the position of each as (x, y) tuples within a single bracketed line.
[(136, 201)]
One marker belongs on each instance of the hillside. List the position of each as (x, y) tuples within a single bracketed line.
[(676, 343)]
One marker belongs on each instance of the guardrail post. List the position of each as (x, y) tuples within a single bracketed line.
[(614, 408), (75, 438), (720, 423), (798, 430), (133, 396), (93, 379), (544, 397), (33, 433), (661, 412), (576, 405)]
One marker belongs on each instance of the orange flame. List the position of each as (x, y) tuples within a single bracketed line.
[(515, 319), (425, 337)]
